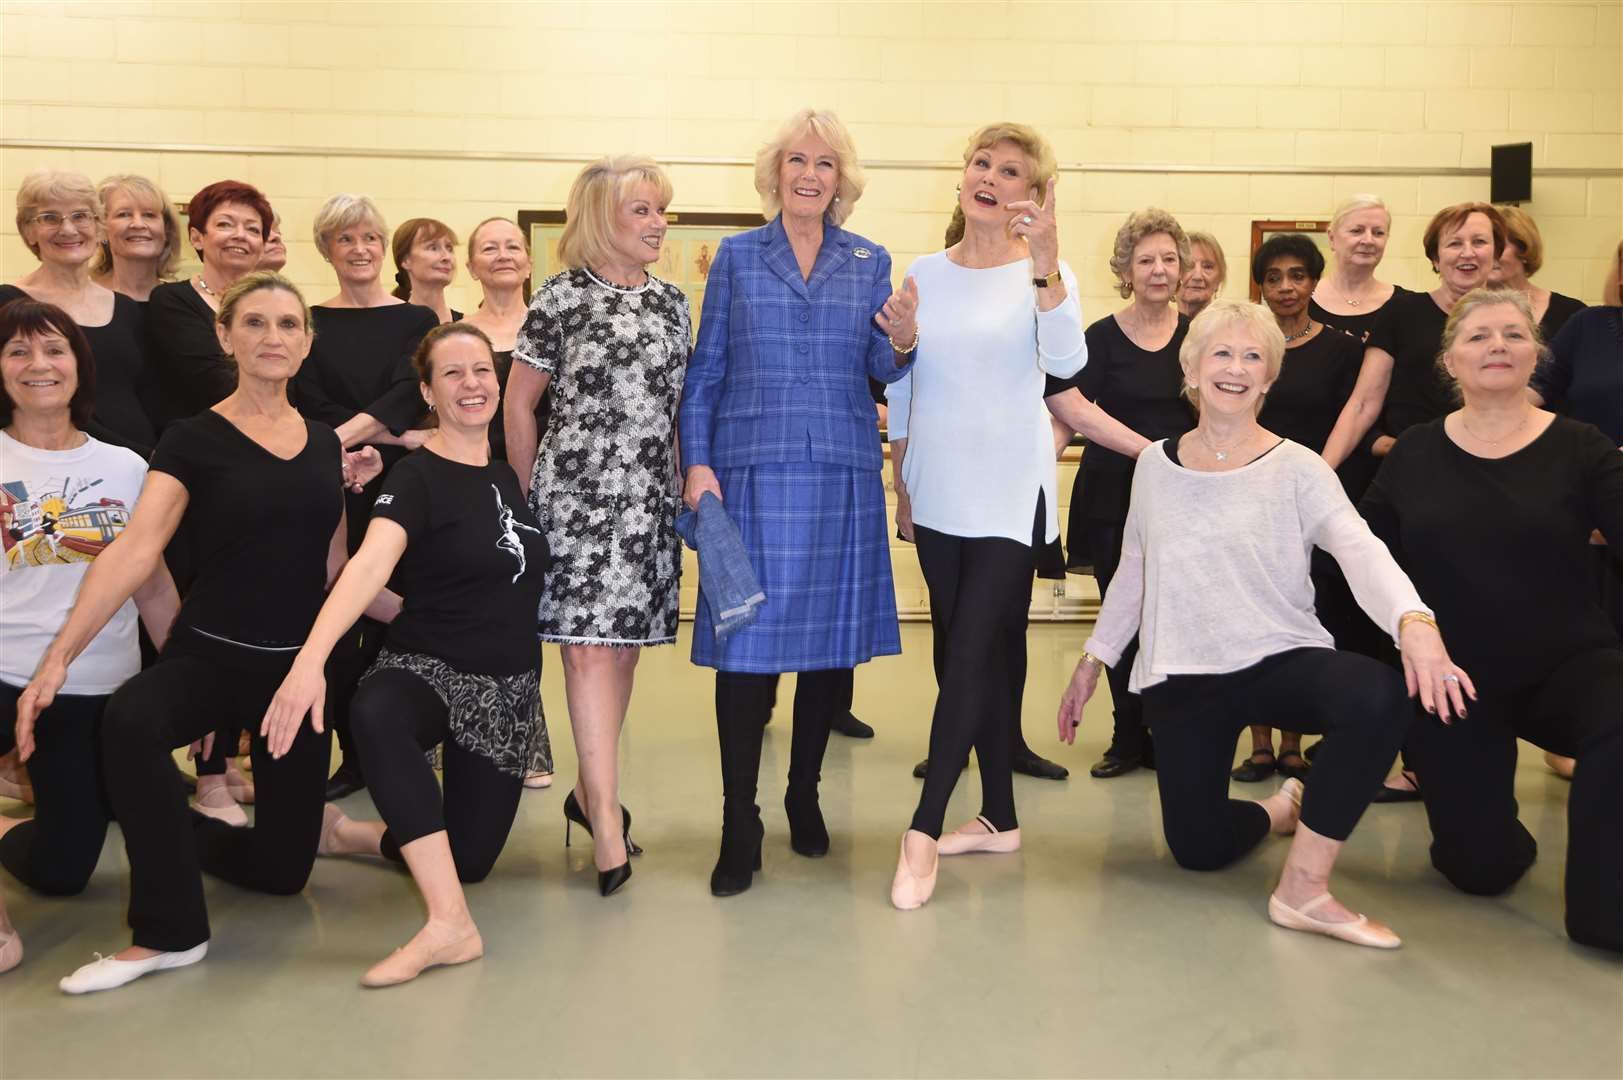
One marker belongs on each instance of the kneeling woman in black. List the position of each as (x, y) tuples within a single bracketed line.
[(1490, 510), (257, 488), (461, 665)]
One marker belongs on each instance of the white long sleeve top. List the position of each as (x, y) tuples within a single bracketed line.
[(979, 446), (1214, 566)]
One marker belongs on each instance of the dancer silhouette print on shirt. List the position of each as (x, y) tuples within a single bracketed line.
[(510, 541)]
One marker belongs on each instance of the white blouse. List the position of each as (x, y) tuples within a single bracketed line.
[(979, 444)]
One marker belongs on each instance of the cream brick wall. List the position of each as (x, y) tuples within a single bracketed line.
[(1310, 86), (1257, 104)]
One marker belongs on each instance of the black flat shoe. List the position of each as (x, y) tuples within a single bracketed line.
[(574, 815), (1396, 795), (924, 766), (808, 835), (1110, 767), (1312, 750), (1294, 766), (740, 858), (609, 881), (848, 725), (347, 780), (1040, 767), (1257, 768)]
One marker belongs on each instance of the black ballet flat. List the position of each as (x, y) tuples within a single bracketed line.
[(574, 815), (1297, 769), (1109, 767), (1040, 767), (610, 881), (1257, 768), (346, 781), (848, 725), (1397, 795)]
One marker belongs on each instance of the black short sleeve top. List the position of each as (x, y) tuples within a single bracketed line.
[(1410, 329), (474, 564), (259, 527)]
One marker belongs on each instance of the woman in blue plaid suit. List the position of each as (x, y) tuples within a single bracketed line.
[(777, 422)]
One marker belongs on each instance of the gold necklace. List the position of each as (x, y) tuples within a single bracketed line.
[(1495, 442)]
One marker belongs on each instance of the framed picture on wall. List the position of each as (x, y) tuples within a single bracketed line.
[(189, 264), (1261, 230), (691, 240)]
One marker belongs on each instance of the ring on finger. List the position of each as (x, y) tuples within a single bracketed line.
[(1026, 220), (1451, 677)]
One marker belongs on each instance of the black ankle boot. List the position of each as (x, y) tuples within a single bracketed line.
[(740, 856), (808, 835)]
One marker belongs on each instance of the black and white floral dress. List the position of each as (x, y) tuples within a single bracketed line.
[(605, 488)]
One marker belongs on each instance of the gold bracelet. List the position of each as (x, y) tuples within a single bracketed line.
[(1416, 616), (910, 347), (1089, 658)]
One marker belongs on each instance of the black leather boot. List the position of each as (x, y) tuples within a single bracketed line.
[(743, 705)]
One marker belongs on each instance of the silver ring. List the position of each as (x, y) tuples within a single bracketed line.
[(1026, 220), (1451, 678)]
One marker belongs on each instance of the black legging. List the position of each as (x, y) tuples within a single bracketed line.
[(743, 707), (1129, 738), (1358, 704), (351, 658), (1467, 776), (397, 717), (56, 851), (980, 593), (181, 698)]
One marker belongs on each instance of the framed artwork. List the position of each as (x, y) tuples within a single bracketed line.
[(1262, 230), (189, 265), (691, 240)]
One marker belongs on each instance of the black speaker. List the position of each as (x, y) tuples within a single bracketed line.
[(1512, 173)]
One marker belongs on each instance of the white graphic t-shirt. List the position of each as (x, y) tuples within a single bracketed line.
[(59, 509)]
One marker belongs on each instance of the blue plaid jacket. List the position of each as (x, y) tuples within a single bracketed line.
[(782, 362)]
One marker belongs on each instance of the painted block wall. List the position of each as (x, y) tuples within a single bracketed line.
[(1222, 112)]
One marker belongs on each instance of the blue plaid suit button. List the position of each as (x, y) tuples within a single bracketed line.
[(802, 348), (805, 316)]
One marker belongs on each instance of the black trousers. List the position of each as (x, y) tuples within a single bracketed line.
[(56, 851), (350, 661), (397, 718), (980, 593), (1467, 772), (743, 707), (1129, 737), (1358, 704), (181, 698)]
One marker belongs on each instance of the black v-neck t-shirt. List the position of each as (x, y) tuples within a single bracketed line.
[(474, 564), (360, 362), (258, 529), (1500, 548)]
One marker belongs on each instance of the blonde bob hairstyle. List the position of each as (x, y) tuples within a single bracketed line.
[(594, 200), (1481, 297), (1039, 155), (1139, 224), (1219, 315), (149, 195), (1522, 230), (258, 281), (344, 211), (1354, 203), (825, 125), (43, 187)]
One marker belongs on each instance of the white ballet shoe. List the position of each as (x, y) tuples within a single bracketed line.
[(106, 973), (11, 951), (218, 804)]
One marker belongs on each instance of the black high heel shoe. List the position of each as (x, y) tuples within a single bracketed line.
[(574, 815), (608, 881)]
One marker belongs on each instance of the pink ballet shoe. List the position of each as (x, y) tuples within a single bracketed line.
[(411, 960), (966, 840), (331, 819), (11, 951), (908, 891), (240, 787), (1361, 931), (1292, 789), (218, 804), (15, 786), (537, 780)]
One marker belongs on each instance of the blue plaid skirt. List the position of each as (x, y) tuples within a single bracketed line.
[(816, 538)]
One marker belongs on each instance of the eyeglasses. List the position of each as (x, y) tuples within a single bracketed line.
[(80, 219)]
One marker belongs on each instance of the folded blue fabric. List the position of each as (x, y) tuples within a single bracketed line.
[(726, 577)]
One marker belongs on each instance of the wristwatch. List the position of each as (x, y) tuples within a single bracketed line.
[(1046, 282)]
